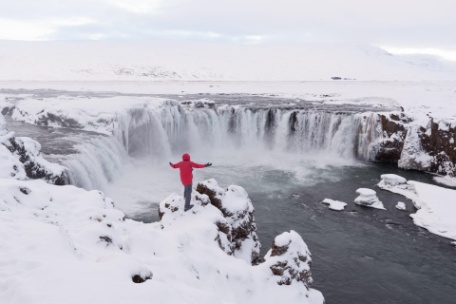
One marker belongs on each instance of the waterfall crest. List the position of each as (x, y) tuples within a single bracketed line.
[(175, 128)]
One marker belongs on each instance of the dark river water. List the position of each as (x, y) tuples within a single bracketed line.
[(360, 255)]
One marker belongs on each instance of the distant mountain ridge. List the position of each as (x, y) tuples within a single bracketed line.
[(165, 60)]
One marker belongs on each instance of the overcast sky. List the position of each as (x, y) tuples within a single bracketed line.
[(400, 25)]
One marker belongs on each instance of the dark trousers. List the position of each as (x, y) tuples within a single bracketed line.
[(187, 196)]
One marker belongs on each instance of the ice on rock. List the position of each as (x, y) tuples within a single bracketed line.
[(393, 179), (334, 205), (413, 155), (368, 198), (400, 206)]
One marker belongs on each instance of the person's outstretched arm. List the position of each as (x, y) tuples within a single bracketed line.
[(195, 165), (174, 165)]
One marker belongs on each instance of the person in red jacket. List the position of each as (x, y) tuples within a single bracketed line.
[(186, 167)]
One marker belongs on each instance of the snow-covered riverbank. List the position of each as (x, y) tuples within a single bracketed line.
[(436, 205)]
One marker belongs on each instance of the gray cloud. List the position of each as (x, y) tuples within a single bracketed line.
[(401, 23)]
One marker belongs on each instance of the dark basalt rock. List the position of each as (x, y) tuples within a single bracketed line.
[(65, 122), (141, 278), (441, 144), (202, 189), (438, 143), (394, 132), (32, 168)]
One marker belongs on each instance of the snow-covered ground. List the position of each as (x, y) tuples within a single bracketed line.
[(165, 60), (436, 205), (62, 244)]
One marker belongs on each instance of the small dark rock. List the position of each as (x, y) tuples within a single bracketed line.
[(25, 190), (106, 238), (139, 278)]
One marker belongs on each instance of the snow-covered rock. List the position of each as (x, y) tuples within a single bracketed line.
[(417, 140), (289, 259), (393, 179), (396, 184), (334, 204), (231, 211), (400, 206), (21, 158), (368, 198)]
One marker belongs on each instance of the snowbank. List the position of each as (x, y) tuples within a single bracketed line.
[(436, 206), (62, 244), (334, 205), (368, 198)]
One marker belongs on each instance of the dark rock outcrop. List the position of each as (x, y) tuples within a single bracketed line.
[(439, 141), (237, 209), (430, 148), (394, 133), (35, 167)]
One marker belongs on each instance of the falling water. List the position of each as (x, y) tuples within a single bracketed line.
[(157, 133)]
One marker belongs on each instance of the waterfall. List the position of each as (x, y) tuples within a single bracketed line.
[(174, 128), (97, 163)]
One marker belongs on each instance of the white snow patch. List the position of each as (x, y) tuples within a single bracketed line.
[(368, 198), (400, 206), (334, 205)]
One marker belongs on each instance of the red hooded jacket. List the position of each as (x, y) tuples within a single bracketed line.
[(186, 167)]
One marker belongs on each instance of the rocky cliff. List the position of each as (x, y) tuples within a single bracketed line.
[(425, 145)]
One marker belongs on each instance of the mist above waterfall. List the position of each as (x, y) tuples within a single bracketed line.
[(246, 144)]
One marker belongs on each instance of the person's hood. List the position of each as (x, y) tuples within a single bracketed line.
[(186, 156)]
